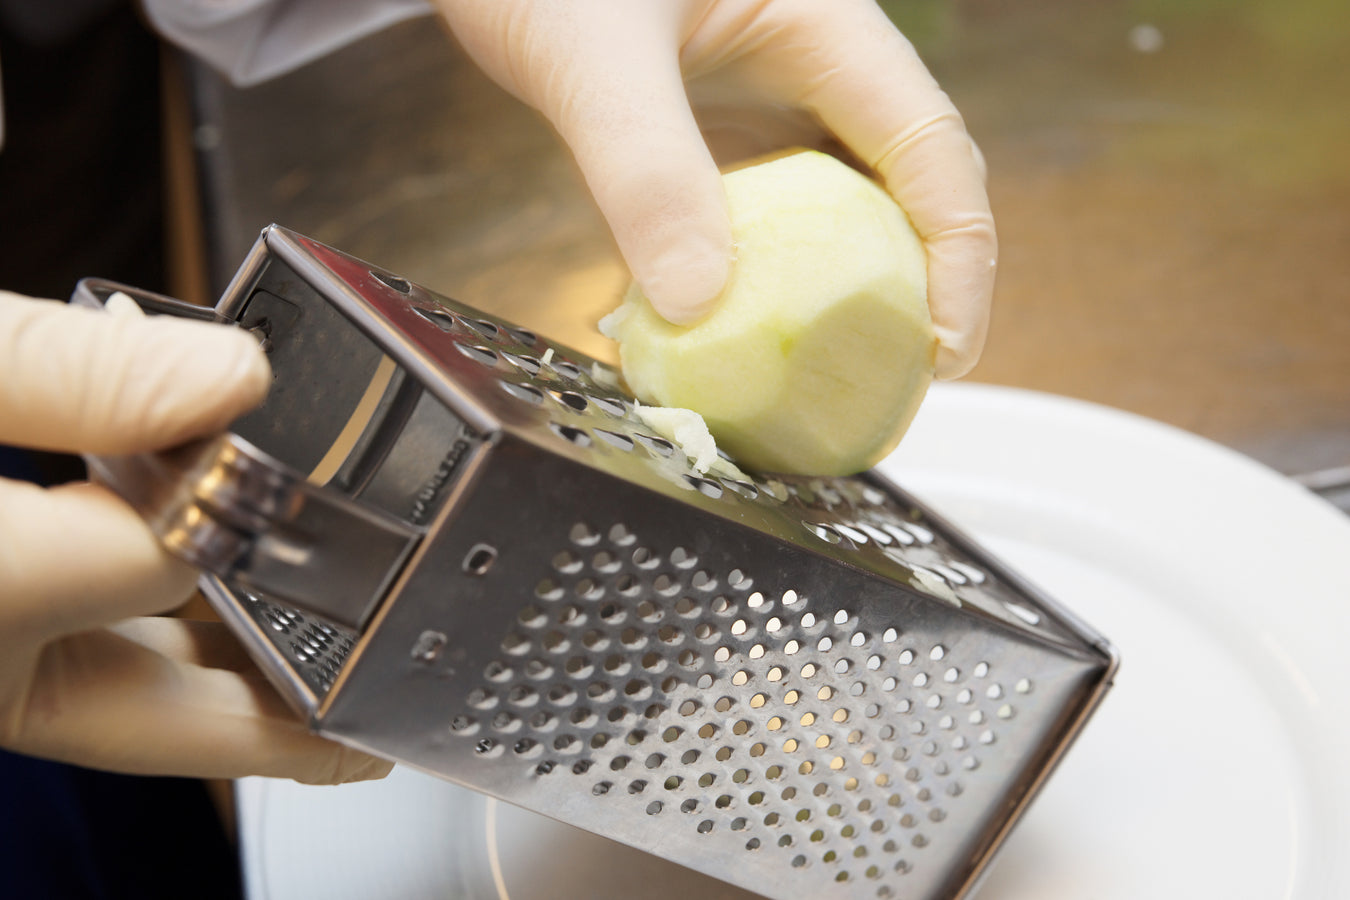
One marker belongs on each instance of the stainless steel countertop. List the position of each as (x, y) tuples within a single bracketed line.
[(1169, 180)]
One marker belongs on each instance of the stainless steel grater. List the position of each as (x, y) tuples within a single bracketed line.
[(453, 544)]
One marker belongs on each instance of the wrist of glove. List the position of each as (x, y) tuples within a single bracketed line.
[(90, 674)]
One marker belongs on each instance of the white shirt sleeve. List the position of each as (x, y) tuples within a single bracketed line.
[(250, 41)]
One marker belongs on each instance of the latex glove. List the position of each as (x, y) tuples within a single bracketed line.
[(610, 76), (85, 677)]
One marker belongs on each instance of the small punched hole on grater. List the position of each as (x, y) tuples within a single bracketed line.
[(479, 559)]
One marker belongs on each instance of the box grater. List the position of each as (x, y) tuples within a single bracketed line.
[(453, 544)]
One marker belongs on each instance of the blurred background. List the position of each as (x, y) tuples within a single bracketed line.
[(1169, 179)]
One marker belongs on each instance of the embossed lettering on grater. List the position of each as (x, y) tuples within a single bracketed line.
[(798, 685)]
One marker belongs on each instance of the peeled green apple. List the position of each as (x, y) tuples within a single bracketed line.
[(820, 349)]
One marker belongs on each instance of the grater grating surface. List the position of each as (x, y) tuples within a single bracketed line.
[(798, 685), (315, 649), (740, 711)]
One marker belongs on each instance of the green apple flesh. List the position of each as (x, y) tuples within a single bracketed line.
[(820, 349)]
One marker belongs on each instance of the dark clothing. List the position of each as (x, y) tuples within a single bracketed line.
[(80, 194)]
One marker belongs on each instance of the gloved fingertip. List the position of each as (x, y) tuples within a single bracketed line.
[(244, 370), (252, 372), (373, 769), (123, 307), (218, 373), (955, 358), (685, 280)]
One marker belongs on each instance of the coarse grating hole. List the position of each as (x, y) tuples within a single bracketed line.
[(705, 486), (875, 533), (583, 535), (1030, 616), (682, 558), (484, 327), (401, 285), (571, 434), (853, 534), (566, 369), (744, 488), (923, 534), (899, 534), (972, 574), (825, 532), (527, 364), (441, 319), (610, 405), (570, 399), (614, 439), (567, 562), (656, 446), (606, 563), (478, 354), (949, 574), (522, 336), (479, 559)]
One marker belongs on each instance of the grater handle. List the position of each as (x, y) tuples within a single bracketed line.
[(225, 506)]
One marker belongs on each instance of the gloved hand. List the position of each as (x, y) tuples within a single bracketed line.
[(87, 675), (610, 76)]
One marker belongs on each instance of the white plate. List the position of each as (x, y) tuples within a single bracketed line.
[(1219, 766)]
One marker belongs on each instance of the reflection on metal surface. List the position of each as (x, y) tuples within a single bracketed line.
[(346, 440), (1168, 177)]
